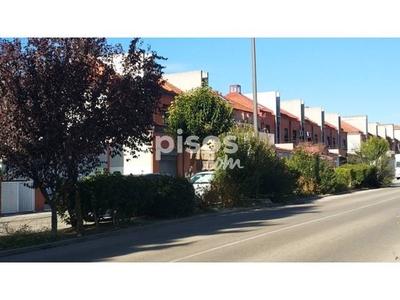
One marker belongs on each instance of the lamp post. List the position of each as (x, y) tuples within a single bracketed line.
[(255, 106)]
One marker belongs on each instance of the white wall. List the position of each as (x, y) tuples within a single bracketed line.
[(397, 134), (187, 80), (353, 142), (334, 119), (359, 122), (126, 164), (315, 114), (270, 100), (295, 107), (373, 128), (382, 131), (390, 130), (139, 165)]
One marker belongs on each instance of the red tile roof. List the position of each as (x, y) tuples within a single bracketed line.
[(349, 128), (169, 87), (289, 115), (241, 107), (330, 125), (397, 127), (244, 102)]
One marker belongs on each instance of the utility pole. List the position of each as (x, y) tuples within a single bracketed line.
[(255, 105)]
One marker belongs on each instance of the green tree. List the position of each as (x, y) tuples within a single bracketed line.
[(200, 113), (316, 175), (63, 103), (374, 152)]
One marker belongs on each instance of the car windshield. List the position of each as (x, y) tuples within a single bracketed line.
[(202, 178)]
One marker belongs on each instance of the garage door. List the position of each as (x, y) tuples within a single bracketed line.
[(16, 197), (168, 163)]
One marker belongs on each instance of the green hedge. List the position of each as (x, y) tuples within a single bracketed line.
[(173, 197), (130, 196), (356, 176), (124, 196)]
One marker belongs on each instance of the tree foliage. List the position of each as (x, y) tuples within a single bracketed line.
[(350, 177), (255, 171), (316, 174), (374, 152), (373, 149), (199, 112), (63, 103)]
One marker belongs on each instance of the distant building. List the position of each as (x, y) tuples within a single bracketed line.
[(187, 80)]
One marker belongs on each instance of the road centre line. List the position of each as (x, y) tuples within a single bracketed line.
[(281, 229)]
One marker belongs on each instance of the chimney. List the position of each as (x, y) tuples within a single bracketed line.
[(235, 88)]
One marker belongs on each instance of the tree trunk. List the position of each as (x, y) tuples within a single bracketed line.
[(80, 230), (96, 220), (54, 220), (191, 165)]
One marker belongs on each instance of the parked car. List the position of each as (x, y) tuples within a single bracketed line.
[(397, 166), (155, 175), (202, 181)]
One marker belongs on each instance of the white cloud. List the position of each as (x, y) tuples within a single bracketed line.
[(176, 67)]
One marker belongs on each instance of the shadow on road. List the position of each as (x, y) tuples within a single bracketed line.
[(167, 235)]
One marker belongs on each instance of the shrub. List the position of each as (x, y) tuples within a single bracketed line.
[(173, 197), (140, 195), (356, 176), (125, 196), (132, 196), (260, 173), (279, 180), (316, 175), (343, 178), (373, 152)]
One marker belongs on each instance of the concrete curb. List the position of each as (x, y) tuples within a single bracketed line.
[(160, 223)]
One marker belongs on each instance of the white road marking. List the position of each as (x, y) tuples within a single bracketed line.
[(279, 230)]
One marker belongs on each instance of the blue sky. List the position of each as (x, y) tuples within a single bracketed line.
[(351, 76), (341, 55)]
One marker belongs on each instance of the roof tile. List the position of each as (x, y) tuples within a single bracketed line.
[(349, 128), (243, 101)]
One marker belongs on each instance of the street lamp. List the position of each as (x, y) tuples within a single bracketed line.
[(255, 106)]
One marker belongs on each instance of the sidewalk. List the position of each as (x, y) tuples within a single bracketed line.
[(35, 221)]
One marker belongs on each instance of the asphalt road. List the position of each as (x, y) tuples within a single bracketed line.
[(358, 227)]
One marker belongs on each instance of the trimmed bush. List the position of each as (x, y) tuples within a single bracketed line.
[(343, 178), (173, 197), (130, 196), (350, 177)]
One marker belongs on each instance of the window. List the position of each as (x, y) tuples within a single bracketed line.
[(294, 136), (334, 142), (315, 138), (328, 141), (267, 128), (286, 135)]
